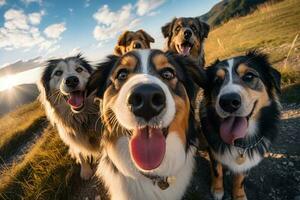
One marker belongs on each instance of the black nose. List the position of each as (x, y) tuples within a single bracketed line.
[(137, 45), (147, 101), (72, 81), (230, 102), (187, 34)]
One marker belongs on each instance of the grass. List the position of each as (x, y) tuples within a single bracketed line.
[(14, 124), (45, 172), (273, 29)]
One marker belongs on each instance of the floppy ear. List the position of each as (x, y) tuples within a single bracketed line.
[(147, 36), (276, 79), (204, 28), (99, 79), (167, 28), (121, 44)]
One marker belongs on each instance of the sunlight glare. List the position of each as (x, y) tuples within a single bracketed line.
[(8, 82)]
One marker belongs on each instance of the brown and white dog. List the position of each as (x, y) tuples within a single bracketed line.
[(186, 36), (240, 116), (130, 40), (70, 110), (149, 142)]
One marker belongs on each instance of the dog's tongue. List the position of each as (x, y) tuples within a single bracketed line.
[(185, 50), (148, 147), (76, 99), (233, 128)]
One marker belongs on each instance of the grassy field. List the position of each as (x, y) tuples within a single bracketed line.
[(273, 29), (47, 172)]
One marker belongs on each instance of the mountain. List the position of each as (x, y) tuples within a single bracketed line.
[(227, 9), (21, 66), (17, 96)]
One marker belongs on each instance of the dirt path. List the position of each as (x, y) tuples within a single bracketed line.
[(275, 178), (21, 150)]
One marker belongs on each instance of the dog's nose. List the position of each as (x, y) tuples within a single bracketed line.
[(72, 81), (187, 34), (230, 102), (137, 46), (147, 101)]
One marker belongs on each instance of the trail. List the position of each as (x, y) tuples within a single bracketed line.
[(18, 153)]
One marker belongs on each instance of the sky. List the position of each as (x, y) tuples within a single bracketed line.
[(60, 28)]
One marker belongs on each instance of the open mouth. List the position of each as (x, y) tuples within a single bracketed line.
[(185, 48), (235, 127), (76, 100), (148, 147)]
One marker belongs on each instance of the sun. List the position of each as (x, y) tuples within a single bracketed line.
[(8, 82)]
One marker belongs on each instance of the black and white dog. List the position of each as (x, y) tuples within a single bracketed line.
[(63, 94), (240, 115), (148, 146)]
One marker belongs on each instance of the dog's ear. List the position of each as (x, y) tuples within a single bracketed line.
[(147, 36), (204, 28), (276, 79), (99, 79), (191, 69), (167, 28), (121, 44)]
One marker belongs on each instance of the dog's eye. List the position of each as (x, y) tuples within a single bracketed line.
[(177, 28), (194, 28), (167, 74), (79, 69), (58, 73), (248, 77), (122, 74)]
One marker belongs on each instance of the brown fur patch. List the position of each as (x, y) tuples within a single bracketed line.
[(217, 181), (129, 39), (129, 61), (180, 123), (242, 69), (161, 61), (221, 74), (238, 191)]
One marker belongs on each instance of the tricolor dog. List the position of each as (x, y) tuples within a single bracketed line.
[(186, 36), (75, 115), (149, 143), (240, 116), (130, 40)]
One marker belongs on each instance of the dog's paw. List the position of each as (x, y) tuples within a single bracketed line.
[(217, 193), (86, 173)]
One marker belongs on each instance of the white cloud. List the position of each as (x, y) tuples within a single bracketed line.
[(35, 18), (145, 6), (20, 31), (32, 1), (2, 2), (55, 30), (111, 23)]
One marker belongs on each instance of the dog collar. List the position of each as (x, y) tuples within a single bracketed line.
[(162, 182)]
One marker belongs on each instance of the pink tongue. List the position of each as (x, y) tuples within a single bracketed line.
[(76, 99), (185, 50), (148, 147), (233, 128)]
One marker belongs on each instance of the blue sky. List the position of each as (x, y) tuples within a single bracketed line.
[(32, 28)]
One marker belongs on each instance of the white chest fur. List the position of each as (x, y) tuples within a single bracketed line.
[(128, 183)]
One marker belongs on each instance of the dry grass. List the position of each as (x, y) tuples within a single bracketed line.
[(273, 29), (44, 173)]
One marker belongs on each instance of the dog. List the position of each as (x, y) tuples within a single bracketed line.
[(149, 143), (240, 115), (130, 40), (63, 95), (186, 36)]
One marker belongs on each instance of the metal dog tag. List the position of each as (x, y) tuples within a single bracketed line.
[(240, 159)]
